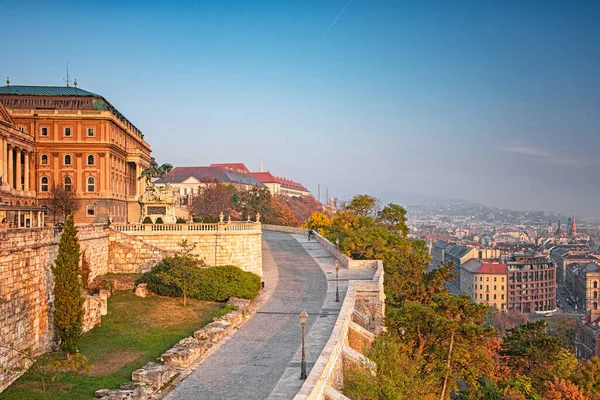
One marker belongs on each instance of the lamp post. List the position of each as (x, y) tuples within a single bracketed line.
[(337, 282), (303, 316)]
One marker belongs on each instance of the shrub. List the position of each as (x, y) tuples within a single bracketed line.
[(181, 220), (213, 284), (159, 220), (225, 281), (147, 220), (155, 284), (197, 220)]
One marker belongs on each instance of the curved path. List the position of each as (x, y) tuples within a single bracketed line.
[(250, 364)]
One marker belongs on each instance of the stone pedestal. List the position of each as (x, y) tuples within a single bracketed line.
[(158, 202)]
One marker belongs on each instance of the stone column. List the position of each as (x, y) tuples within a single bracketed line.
[(32, 171), (18, 185), (26, 174), (3, 155), (10, 166)]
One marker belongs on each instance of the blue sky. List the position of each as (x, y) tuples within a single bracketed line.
[(491, 101)]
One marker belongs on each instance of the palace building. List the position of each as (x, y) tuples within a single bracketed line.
[(69, 137), (18, 203)]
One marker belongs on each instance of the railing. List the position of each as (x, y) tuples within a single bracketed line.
[(230, 226)]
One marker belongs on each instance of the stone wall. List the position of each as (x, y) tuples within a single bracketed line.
[(26, 286), (361, 318), (136, 248)]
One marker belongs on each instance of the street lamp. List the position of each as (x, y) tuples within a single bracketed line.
[(337, 282), (337, 242), (303, 316)]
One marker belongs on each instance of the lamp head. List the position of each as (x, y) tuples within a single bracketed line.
[(337, 265), (303, 317), (337, 241)]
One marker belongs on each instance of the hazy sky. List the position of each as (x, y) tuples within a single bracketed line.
[(491, 101)]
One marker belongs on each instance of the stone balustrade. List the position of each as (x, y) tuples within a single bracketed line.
[(195, 227)]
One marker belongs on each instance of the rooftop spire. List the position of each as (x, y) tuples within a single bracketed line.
[(68, 79)]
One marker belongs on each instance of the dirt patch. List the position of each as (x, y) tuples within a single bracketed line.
[(171, 313), (113, 361)]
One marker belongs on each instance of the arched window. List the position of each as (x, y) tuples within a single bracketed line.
[(91, 184), (44, 184), (595, 294), (595, 284), (68, 183), (90, 159), (595, 306), (67, 159), (91, 210), (44, 159)]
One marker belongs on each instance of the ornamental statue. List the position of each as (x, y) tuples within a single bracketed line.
[(155, 171)]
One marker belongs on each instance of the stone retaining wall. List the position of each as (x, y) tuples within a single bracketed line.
[(139, 250), (360, 319), (27, 283), (26, 256)]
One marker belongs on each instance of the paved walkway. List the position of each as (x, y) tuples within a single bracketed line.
[(250, 365)]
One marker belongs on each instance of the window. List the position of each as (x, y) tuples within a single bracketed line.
[(44, 159), (595, 284), (595, 295), (44, 184), (91, 210), (90, 132), (68, 183), (487, 278), (44, 131), (91, 184), (67, 131), (90, 159), (67, 159), (480, 287), (494, 287), (494, 297)]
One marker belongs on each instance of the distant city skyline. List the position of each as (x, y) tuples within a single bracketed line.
[(495, 103)]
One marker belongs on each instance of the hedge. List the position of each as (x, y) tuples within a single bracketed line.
[(213, 284)]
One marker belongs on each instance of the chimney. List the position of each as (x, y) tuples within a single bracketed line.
[(261, 166)]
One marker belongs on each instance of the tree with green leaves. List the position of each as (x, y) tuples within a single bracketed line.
[(184, 272), (68, 300), (529, 351)]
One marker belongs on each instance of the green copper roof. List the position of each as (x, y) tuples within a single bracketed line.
[(46, 91)]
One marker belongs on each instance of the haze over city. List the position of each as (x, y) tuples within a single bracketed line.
[(490, 102)]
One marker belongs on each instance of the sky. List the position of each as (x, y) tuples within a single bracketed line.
[(496, 102)]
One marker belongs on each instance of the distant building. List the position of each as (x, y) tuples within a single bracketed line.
[(583, 280), (485, 282), (278, 185), (189, 181), (275, 184), (565, 254), (587, 336), (531, 283)]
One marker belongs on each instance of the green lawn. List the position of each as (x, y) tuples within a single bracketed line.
[(135, 331)]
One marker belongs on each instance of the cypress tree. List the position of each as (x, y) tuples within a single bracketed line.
[(68, 300)]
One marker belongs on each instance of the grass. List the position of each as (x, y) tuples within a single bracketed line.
[(135, 331)]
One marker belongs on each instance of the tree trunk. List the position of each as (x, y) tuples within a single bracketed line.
[(448, 371)]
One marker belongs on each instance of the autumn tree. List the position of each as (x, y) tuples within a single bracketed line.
[(214, 198), (68, 300), (529, 351), (302, 207), (563, 389), (587, 377)]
